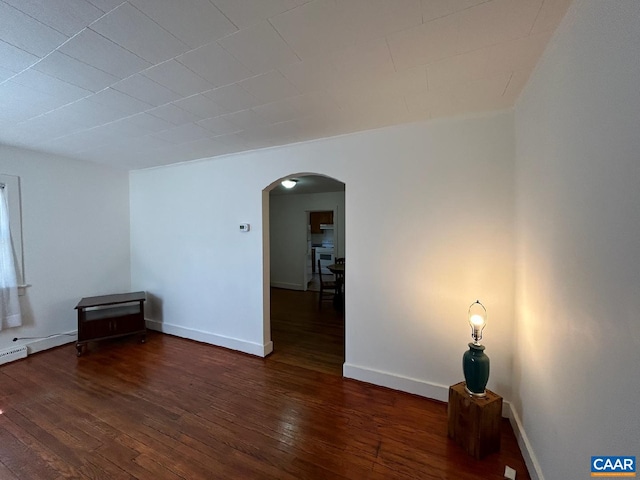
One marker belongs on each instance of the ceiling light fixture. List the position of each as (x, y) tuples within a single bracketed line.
[(289, 183)]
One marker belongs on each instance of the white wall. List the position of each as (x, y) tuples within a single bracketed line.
[(75, 225), (288, 231), (442, 196), (576, 381)]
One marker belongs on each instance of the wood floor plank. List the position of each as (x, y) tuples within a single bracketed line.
[(20, 457), (56, 447), (6, 474), (180, 410), (97, 467)]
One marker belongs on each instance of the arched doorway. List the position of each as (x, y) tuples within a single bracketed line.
[(300, 329)]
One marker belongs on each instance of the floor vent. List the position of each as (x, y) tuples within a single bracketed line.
[(11, 354)]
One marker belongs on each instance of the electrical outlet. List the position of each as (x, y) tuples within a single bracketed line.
[(509, 473)]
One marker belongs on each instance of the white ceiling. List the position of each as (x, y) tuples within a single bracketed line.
[(141, 83)]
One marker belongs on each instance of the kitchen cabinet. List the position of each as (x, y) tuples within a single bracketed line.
[(320, 218)]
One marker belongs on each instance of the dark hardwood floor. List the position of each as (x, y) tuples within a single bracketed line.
[(177, 409), (304, 335)]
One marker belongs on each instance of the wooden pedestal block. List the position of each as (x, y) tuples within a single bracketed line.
[(474, 422)]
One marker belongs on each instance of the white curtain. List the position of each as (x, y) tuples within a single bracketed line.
[(10, 315)]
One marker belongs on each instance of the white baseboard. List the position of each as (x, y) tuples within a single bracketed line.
[(42, 344), (211, 338), (287, 286), (397, 382), (530, 459)]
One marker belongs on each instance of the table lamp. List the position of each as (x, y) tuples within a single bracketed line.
[(475, 364)]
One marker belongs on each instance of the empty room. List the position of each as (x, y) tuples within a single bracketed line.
[(322, 239)]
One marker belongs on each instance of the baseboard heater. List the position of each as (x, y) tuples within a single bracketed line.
[(14, 353)]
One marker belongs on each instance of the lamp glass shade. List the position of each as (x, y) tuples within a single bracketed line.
[(289, 183)]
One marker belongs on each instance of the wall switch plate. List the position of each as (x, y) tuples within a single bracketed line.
[(509, 473), (244, 227)]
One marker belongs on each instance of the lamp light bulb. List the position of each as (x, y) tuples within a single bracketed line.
[(289, 183), (478, 320)]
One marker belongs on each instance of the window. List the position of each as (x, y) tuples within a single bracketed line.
[(10, 315), (11, 187)]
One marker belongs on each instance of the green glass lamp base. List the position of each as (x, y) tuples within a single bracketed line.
[(475, 365)]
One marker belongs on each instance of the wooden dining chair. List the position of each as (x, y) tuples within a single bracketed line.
[(327, 289), (339, 276)]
